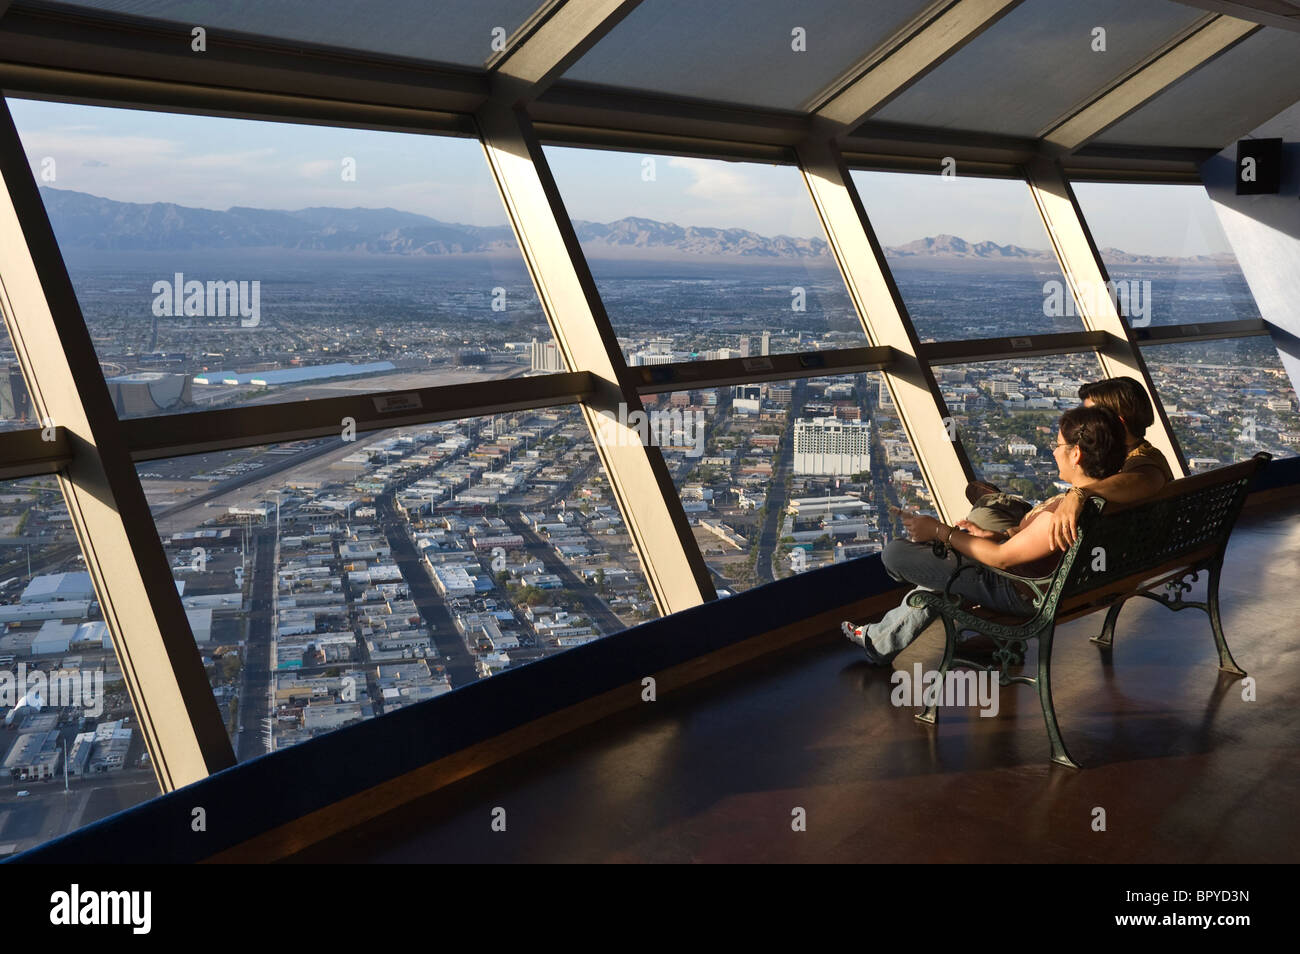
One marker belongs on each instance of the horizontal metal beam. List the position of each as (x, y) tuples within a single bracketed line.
[(622, 140), (175, 435), (96, 89), (606, 112), (1205, 331), (1002, 349), (109, 49), (1267, 12), (697, 375), (33, 451), (1137, 164)]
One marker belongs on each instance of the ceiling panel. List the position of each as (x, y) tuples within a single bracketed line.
[(741, 51), (457, 33), (1223, 100), (1037, 64)]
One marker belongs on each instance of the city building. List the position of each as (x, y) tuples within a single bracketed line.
[(829, 446), (15, 402), (545, 356), (148, 392)]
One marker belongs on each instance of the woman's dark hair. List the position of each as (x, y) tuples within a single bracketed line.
[(1099, 433), (1126, 397)]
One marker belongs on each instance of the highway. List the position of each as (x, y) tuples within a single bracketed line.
[(257, 676), (451, 646)]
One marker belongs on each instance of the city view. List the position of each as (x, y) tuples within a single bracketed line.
[(333, 580)]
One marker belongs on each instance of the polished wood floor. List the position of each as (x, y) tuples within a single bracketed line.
[(1184, 768)]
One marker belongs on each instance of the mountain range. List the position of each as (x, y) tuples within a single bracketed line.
[(85, 221)]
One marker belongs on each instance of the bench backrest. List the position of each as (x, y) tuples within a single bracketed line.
[(1189, 520)]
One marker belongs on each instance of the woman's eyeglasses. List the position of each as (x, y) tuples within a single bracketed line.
[(1056, 447)]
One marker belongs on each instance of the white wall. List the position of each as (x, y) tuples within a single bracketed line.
[(1264, 231)]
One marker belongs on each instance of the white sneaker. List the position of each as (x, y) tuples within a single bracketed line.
[(859, 637)]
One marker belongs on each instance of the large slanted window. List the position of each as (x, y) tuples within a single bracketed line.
[(223, 262), (969, 253), (63, 703), (1226, 399), (365, 575), (1175, 277), (1163, 247), (699, 259), (780, 477)]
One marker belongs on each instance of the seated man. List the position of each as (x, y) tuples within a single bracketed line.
[(1090, 446), (1145, 471)]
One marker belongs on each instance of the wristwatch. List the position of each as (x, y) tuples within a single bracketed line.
[(1081, 492)]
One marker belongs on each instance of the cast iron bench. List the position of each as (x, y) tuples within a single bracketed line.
[(1161, 541)]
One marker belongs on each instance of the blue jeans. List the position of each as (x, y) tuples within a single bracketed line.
[(916, 563)]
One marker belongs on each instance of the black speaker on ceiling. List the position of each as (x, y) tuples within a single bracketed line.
[(1259, 166)]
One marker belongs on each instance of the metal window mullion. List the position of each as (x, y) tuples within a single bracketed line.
[(1085, 273), (651, 508), (861, 259), (160, 661), (197, 432)]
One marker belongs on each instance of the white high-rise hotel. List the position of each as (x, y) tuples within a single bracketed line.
[(546, 356), (828, 446)]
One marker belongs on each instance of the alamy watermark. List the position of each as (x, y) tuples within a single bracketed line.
[(955, 688), (674, 427), (1131, 298), (194, 299), (37, 689)]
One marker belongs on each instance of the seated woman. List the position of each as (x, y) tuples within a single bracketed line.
[(1090, 446)]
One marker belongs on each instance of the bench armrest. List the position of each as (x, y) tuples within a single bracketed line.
[(1037, 585)]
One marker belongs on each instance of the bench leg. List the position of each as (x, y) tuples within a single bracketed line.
[(949, 650), (1106, 639), (1226, 662), (1044, 682)]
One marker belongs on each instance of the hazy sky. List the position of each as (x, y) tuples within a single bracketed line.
[(139, 156)]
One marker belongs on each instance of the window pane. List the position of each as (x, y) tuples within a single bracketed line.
[(60, 684), (1165, 250), (1223, 100), (223, 261), (400, 566), (445, 32), (16, 411), (970, 254), (1007, 414), (1226, 400), (1039, 63), (701, 258), (774, 53), (782, 477)]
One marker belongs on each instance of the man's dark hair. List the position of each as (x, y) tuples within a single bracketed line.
[(1099, 433), (1126, 397)]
